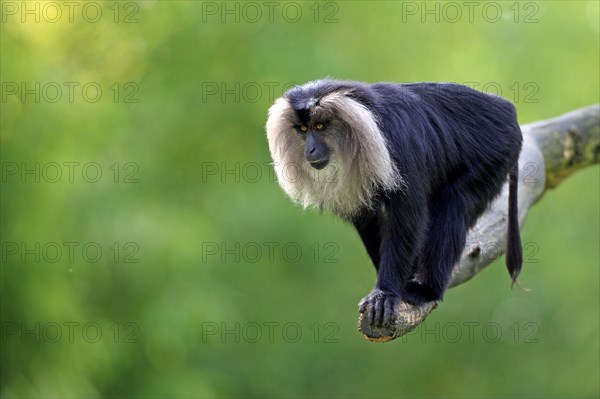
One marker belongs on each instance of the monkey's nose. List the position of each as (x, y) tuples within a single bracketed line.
[(312, 153)]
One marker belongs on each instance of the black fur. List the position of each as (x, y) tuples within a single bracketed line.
[(454, 147)]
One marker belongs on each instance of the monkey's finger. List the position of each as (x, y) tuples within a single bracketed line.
[(372, 313), (379, 304), (388, 312), (362, 306)]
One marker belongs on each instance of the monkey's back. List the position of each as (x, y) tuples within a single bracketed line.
[(444, 129)]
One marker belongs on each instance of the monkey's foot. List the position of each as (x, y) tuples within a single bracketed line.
[(405, 318)]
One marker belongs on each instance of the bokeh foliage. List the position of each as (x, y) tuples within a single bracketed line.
[(179, 130)]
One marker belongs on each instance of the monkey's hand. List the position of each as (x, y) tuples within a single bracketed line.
[(379, 307), (385, 317)]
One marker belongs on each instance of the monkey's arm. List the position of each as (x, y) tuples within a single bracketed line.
[(552, 150), (367, 226), (402, 226)]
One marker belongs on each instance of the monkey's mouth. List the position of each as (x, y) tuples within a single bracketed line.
[(320, 164)]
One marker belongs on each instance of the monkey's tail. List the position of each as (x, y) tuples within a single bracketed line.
[(514, 250)]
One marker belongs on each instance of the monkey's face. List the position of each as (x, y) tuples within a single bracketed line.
[(308, 132), (315, 126), (316, 151)]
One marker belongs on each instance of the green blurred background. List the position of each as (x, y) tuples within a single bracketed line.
[(210, 282)]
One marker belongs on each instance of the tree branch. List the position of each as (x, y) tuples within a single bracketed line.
[(552, 150)]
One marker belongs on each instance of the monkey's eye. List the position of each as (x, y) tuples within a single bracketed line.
[(319, 126), (303, 128)]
